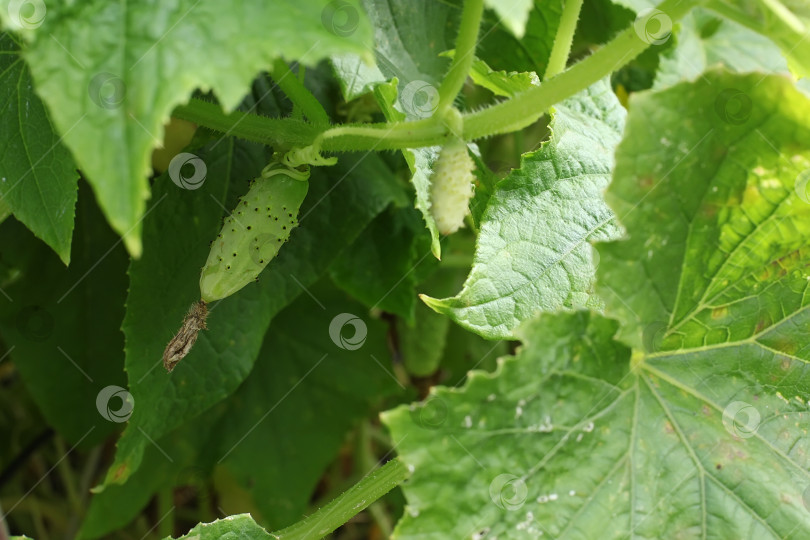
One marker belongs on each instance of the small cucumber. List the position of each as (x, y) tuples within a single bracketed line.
[(451, 186), (252, 235)]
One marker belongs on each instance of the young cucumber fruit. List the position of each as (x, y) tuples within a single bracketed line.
[(451, 186), (252, 235)]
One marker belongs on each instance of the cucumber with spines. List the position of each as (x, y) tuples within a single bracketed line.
[(254, 232), (451, 186)]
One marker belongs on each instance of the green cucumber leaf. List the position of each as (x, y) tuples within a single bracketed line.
[(304, 394), (720, 166), (502, 83), (379, 267), (788, 26), (61, 325), (111, 73), (165, 282), (178, 460), (700, 429), (533, 249), (237, 526), (38, 179), (403, 51), (704, 41), (513, 14)]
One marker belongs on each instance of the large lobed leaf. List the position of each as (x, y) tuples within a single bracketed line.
[(704, 41), (697, 425), (533, 249), (111, 72), (37, 174), (410, 35), (61, 325), (290, 415)]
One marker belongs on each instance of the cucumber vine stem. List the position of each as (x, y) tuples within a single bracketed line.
[(527, 107), (298, 93), (355, 500), (464, 55), (275, 132), (511, 115), (565, 37)]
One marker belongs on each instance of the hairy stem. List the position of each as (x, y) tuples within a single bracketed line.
[(356, 499), (464, 53), (298, 93), (527, 107), (366, 461), (276, 132), (564, 38), (512, 115)]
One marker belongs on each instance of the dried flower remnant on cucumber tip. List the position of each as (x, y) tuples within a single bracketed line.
[(250, 237), (181, 344)]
